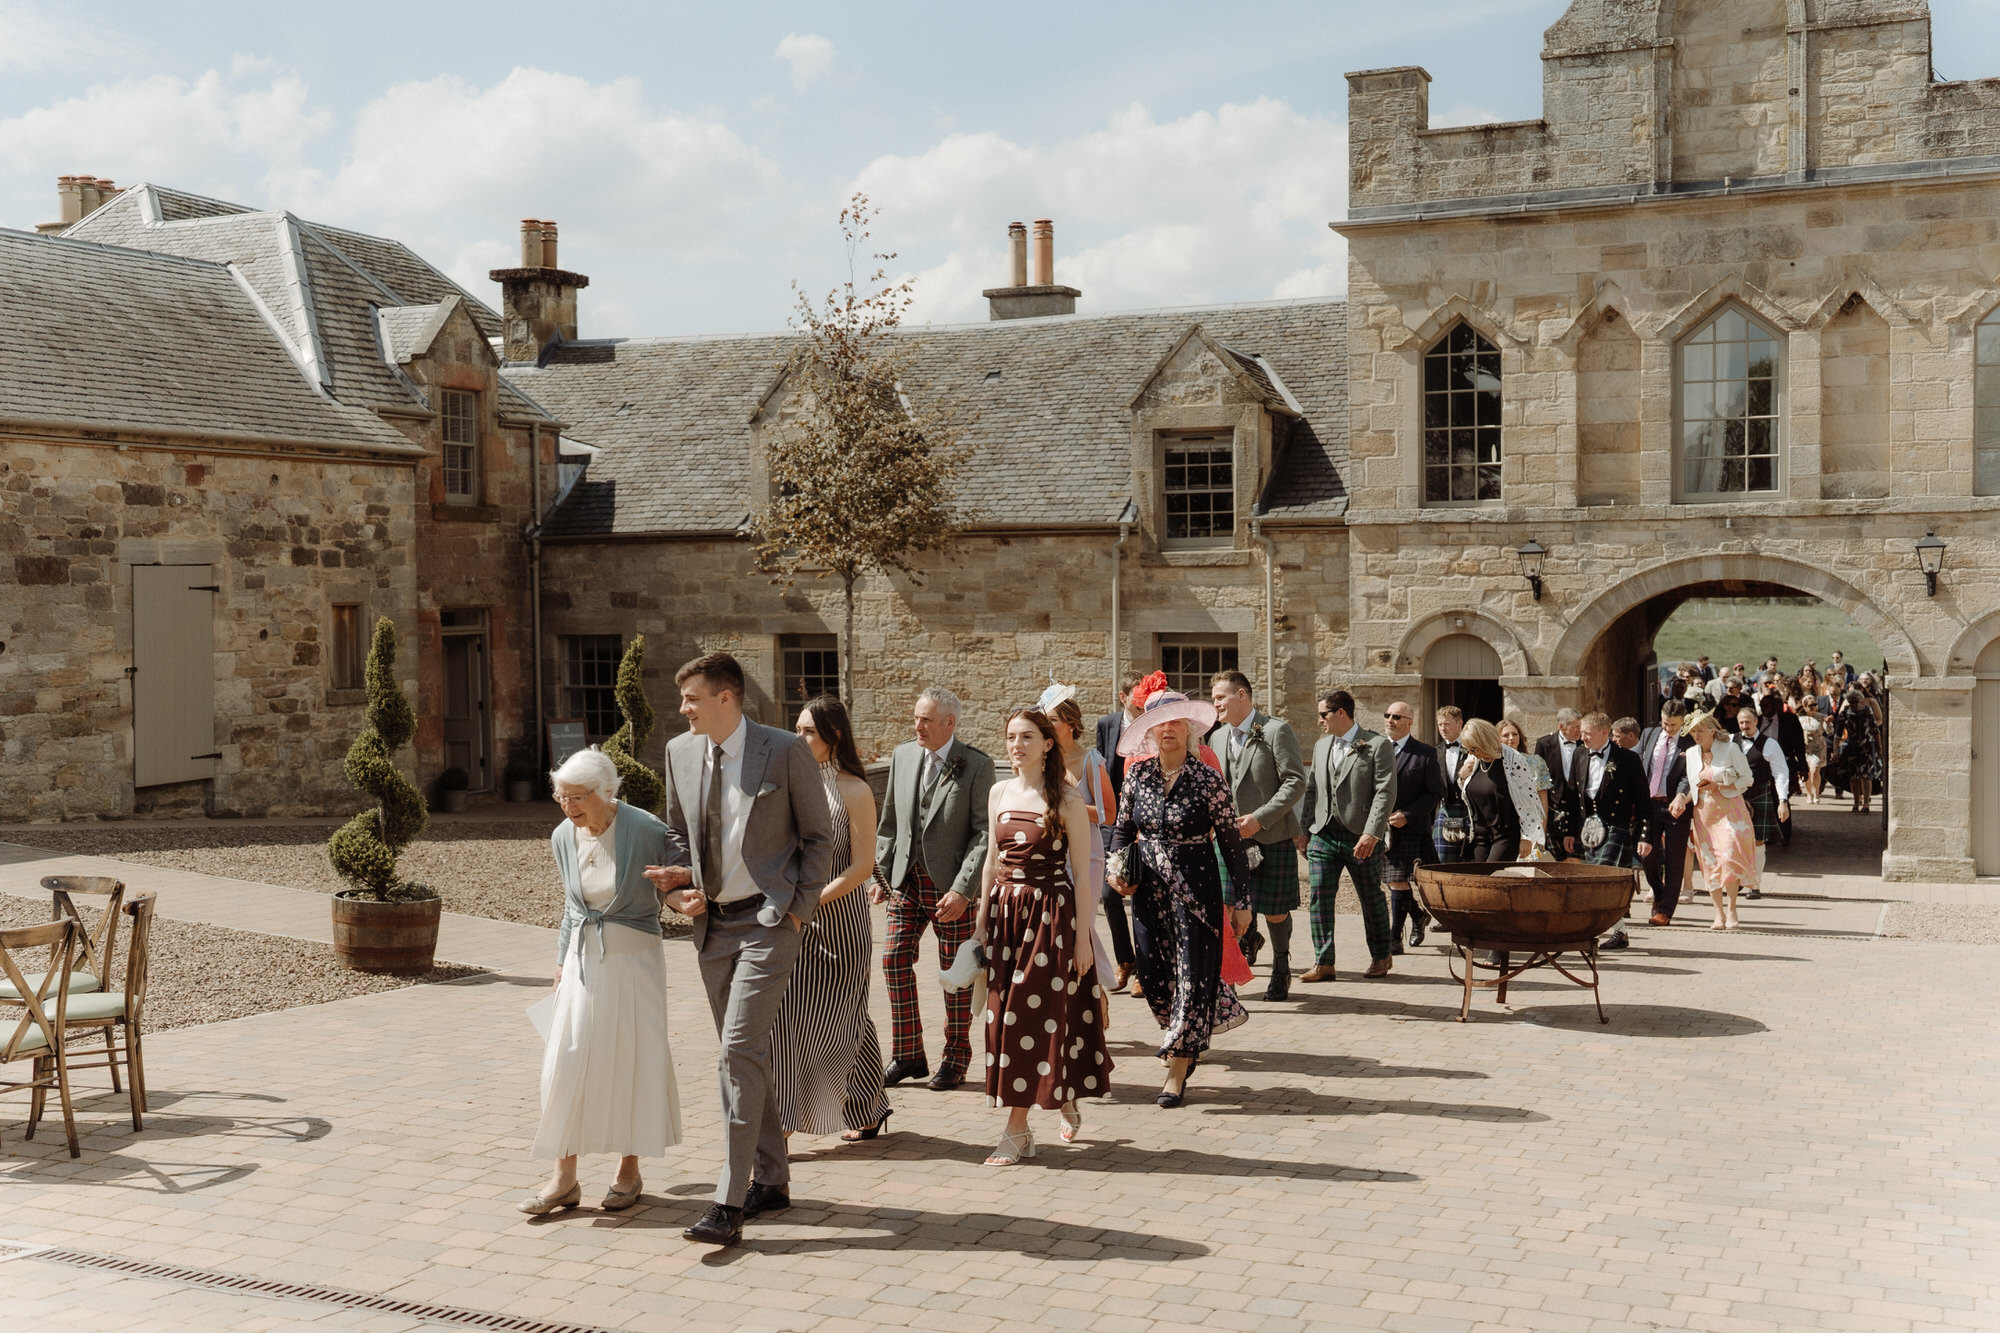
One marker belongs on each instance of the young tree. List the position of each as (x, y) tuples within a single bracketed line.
[(638, 785), (365, 848), (862, 478)]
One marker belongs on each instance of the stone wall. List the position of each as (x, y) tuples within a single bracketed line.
[(287, 537)]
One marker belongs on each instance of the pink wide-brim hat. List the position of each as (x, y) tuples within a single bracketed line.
[(1164, 707)]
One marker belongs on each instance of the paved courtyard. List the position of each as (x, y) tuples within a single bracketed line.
[(1789, 1127)]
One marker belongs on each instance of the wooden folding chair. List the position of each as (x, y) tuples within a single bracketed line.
[(123, 1008), (37, 1036)]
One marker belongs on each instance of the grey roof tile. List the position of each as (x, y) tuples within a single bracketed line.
[(103, 336), (672, 415)]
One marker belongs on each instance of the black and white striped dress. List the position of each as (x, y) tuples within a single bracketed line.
[(824, 1049)]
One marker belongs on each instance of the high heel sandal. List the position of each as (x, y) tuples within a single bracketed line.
[(1012, 1148), (1072, 1122), (867, 1132)]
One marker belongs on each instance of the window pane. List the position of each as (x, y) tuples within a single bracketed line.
[(590, 671), (1760, 398), (1989, 340), (1437, 447), (1986, 472), (1190, 661), (1462, 391), (1489, 482), (1699, 363), (1200, 494), (1761, 478), (1489, 446)]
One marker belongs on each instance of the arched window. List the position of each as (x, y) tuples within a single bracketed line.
[(1986, 405), (1731, 378), (1461, 419)]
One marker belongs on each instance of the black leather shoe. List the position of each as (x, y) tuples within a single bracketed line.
[(899, 1070), (720, 1225), (1252, 943), (947, 1079), (763, 1198), (1280, 987), (1417, 933), (1753, 893), (1617, 939)]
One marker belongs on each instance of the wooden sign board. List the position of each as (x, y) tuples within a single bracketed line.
[(566, 737)]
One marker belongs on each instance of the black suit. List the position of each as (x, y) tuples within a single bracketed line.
[(1563, 778), (1109, 728), (1621, 802), (1667, 862), (1419, 789)]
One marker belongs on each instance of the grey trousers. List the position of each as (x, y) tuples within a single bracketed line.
[(745, 967)]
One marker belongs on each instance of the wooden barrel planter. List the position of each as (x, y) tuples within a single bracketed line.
[(385, 937)]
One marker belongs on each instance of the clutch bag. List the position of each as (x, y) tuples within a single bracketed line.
[(969, 964)]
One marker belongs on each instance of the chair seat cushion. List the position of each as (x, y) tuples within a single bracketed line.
[(80, 983), (32, 1042), (93, 1008)]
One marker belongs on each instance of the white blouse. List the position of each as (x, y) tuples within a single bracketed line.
[(597, 866)]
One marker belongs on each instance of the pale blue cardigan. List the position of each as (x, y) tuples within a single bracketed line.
[(638, 840)]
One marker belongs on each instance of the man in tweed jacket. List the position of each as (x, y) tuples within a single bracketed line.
[(1267, 780)]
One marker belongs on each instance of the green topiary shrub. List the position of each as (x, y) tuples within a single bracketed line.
[(364, 849), (638, 785)]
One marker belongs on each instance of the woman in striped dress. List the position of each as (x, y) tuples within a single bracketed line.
[(827, 1058)]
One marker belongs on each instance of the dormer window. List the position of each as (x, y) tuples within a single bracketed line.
[(1200, 490), (459, 414)]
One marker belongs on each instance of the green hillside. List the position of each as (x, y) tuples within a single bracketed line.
[(1750, 629)]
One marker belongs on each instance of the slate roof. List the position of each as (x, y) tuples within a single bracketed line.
[(1052, 396), (323, 286), (103, 336)]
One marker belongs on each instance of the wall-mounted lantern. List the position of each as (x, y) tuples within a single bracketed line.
[(1930, 559), (1531, 557)]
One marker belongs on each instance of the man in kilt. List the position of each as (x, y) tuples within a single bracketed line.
[(1609, 811), (1769, 796), (1267, 779)]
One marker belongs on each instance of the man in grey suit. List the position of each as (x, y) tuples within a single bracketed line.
[(1267, 779), (748, 824), (929, 846), (1346, 815)]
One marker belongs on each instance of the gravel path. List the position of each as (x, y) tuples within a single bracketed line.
[(263, 972), (1937, 924), (493, 868)]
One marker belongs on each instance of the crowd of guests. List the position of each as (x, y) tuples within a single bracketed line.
[(1183, 828)]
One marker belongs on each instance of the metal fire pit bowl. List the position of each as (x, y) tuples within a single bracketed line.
[(1543, 909)]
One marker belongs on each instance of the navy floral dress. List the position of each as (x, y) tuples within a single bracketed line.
[(1177, 906)]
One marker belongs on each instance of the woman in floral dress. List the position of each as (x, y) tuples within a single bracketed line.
[(1724, 841), (1044, 1005), (1175, 813)]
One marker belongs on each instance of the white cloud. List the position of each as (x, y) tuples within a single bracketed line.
[(809, 55), (1228, 205), (34, 39)]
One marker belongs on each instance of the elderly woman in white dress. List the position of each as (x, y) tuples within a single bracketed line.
[(607, 1077)]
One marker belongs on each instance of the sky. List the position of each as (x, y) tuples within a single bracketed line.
[(696, 157)]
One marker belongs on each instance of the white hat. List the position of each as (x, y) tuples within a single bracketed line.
[(1164, 707)]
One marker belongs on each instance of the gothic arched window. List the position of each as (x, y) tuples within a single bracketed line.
[(1731, 386), (1461, 419)]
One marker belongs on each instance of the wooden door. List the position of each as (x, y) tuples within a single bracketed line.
[(173, 674), (465, 730), (1460, 669)]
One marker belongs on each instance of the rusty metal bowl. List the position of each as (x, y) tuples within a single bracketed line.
[(1563, 903)]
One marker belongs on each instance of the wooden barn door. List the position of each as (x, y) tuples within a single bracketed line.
[(173, 674)]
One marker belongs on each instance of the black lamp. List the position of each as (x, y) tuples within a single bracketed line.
[(1930, 559), (1531, 557)]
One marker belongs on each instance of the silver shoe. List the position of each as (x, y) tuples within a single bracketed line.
[(537, 1204), (615, 1199)]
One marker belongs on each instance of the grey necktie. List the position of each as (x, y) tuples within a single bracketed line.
[(931, 769), (711, 826)]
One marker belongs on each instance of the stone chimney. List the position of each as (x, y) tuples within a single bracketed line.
[(538, 299), (1023, 300), (78, 197)]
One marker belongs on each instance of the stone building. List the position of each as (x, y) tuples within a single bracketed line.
[(1721, 321), (229, 440)]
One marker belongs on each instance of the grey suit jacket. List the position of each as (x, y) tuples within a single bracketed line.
[(788, 836), (1267, 777), (1359, 792), (950, 829)]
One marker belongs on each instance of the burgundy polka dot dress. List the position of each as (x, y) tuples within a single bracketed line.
[(1044, 1026)]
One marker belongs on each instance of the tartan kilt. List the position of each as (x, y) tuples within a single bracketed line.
[(1272, 889), (1764, 814), (1615, 850)]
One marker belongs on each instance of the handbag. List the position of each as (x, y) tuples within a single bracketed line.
[(1119, 866), (1235, 967)]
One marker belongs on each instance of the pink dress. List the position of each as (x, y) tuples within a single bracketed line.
[(1725, 843)]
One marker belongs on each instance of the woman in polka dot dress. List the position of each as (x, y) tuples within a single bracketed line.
[(1044, 1006)]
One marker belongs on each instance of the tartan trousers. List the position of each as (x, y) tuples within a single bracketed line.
[(1327, 854), (912, 906)]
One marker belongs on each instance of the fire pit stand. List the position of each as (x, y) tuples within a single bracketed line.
[(1539, 909)]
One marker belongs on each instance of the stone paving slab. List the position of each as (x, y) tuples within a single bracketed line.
[(1776, 1131)]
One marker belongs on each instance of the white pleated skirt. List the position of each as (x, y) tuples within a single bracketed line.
[(607, 1076)]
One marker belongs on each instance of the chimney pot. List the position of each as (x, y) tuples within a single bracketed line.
[(1045, 252), (69, 195), (549, 246), (1017, 253), (531, 243)]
